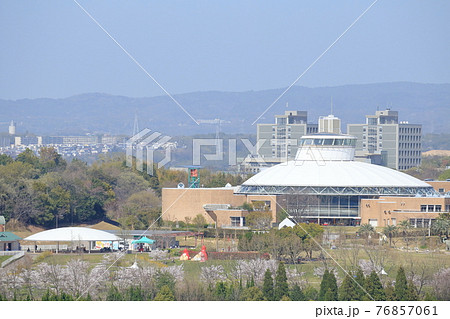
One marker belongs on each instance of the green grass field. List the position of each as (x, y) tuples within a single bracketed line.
[(3, 258), (63, 259)]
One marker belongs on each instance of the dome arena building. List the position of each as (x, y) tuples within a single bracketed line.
[(324, 184)]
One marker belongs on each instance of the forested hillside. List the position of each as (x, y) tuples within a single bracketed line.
[(46, 190)]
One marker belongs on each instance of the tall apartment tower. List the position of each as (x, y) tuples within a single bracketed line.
[(280, 140), (387, 141), (329, 124), (12, 128)]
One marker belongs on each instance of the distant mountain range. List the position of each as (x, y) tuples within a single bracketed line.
[(427, 104)]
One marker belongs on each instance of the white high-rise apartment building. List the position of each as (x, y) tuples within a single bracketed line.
[(280, 140), (329, 124), (388, 142), (12, 128)]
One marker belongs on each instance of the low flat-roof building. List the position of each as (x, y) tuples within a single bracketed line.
[(442, 187), (390, 210), (220, 206)]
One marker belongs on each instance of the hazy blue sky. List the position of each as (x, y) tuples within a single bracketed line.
[(52, 49)]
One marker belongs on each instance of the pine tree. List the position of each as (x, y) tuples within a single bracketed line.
[(374, 287), (268, 289), (221, 291), (333, 286), (360, 279), (401, 286), (54, 297), (46, 296), (428, 297), (347, 290), (296, 293), (328, 283), (324, 285), (165, 279), (65, 297), (231, 292), (329, 295), (165, 294), (251, 283), (252, 294), (114, 294), (135, 294), (311, 293), (389, 292), (412, 292), (281, 286)]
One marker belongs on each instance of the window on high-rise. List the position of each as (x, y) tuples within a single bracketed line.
[(372, 121)]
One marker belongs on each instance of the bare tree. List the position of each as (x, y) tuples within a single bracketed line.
[(420, 272), (212, 274), (379, 259), (78, 277), (441, 284), (349, 256), (254, 268)]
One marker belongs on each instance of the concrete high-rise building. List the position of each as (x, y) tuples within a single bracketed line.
[(71, 140), (280, 140), (27, 140), (329, 124), (388, 142), (12, 128)]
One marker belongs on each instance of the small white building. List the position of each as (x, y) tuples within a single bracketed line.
[(287, 222)]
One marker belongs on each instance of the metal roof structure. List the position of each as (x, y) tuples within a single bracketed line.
[(73, 234), (8, 237), (143, 240), (335, 177), (330, 169), (150, 233)]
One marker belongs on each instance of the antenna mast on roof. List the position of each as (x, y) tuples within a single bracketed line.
[(331, 105), (136, 124)]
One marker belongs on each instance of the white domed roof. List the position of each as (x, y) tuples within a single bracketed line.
[(326, 163), (73, 234), (333, 174)]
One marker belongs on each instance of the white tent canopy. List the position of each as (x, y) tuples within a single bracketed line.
[(73, 234)]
